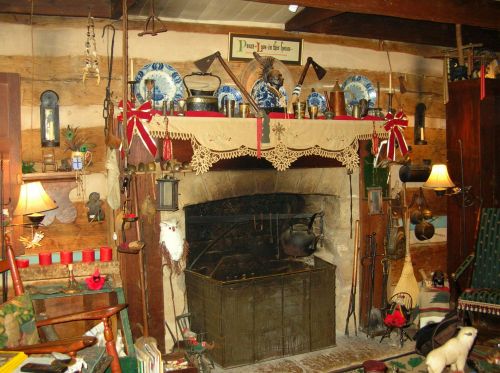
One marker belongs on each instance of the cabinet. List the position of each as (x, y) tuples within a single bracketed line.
[(475, 124)]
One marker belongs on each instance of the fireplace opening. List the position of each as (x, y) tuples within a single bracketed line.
[(245, 290)]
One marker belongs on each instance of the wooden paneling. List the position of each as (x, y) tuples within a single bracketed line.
[(475, 123)]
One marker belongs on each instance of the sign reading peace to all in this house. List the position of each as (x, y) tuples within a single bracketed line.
[(241, 48)]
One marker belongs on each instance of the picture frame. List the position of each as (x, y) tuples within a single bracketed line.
[(375, 201), (287, 50)]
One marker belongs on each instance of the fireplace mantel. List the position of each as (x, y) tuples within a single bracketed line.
[(215, 138)]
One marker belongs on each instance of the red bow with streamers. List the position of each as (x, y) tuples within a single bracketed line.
[(134, 117), (394, 125)]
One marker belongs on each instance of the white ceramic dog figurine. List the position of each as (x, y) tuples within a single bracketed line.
[(454, 352)]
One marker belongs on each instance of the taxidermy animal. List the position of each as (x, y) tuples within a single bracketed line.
[(174, 245), (454, 352)]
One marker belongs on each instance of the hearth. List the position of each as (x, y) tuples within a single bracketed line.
[(254, 302)]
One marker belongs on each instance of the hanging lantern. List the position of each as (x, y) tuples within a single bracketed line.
[(167, 194)]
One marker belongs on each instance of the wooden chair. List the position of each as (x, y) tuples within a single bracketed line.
[(483, 295), (28, 331), (404, 302)]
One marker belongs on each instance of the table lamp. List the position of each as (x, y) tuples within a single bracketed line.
[(439, 180), (33, 200)]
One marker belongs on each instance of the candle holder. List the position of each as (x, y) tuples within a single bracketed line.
[(73, 286), (390, 109), (132, 84)]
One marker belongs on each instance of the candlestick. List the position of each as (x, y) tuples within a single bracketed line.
[(22, 263), (390, 83), (44, 259), (88, 255), (106, 254), (66, 257), (422, 133), (131, 69)]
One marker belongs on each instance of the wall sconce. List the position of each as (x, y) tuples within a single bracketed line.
[(33, 200), (49, 119), (167, 194)]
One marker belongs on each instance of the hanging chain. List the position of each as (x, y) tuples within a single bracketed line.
[(107, 110), (91, 63)]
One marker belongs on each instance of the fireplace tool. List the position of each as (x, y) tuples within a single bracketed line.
[(375, 321), (351, 310), (320, 73), (204, 64)]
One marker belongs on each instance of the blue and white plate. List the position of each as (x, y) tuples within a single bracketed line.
[(357, 87), (227, 92), (266, 97), (317, 99), (167, 84)]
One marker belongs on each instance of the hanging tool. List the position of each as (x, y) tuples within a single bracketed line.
[(149, 26), (91, 68), (320, 73), (351, 310)]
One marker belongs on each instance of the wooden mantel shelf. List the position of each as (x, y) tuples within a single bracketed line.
[(50, 176)]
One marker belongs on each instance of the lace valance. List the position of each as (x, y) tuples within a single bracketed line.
[(214, 139)]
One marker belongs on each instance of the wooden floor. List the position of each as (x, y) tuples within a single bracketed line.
[(349, 351)]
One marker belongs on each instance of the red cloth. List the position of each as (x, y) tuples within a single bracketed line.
[(275, 115), (395, 319)]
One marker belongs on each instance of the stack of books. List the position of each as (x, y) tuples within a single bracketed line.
[(148, 356)]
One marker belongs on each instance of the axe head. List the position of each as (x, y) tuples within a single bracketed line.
[(204, 64), (320, 72)]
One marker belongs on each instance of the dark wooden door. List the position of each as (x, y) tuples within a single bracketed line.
[(10, 142), (473, 129)]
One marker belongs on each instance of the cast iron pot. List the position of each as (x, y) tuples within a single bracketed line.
[(424, 230), (202, 100), (299, 239)]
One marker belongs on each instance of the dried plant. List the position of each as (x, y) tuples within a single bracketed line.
[(73, 139)]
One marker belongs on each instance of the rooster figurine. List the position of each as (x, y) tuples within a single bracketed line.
[(96, 281)]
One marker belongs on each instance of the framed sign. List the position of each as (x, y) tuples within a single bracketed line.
[(241, 48)]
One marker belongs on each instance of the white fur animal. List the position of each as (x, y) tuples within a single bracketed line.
[(454, 352), (171, 239)]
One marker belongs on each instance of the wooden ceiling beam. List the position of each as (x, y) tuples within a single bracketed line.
[(307, 17), (480, 13), (67, 8), (403, 30)]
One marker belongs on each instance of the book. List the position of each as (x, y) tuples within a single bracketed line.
[(10, 360)]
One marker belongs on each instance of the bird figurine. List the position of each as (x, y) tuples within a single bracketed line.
[(96, 281), (174, 245)]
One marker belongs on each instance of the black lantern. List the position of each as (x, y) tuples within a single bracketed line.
[(49, 119), (167, 195)]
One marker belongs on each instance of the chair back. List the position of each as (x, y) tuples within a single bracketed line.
[(486, 272), (10, 264), (403, 299)]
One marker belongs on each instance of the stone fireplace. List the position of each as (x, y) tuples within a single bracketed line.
[(320, 189)]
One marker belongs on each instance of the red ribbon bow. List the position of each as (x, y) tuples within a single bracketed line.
[(394, 125), (134, 117)]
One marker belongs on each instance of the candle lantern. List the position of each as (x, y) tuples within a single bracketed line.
[(167, 194), (49, 119)]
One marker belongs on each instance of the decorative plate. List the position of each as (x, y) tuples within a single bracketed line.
[(167, 84), (227, 92), (267, 98), (316, 98), (357, 87)]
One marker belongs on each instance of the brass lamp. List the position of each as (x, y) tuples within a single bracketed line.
[(439, 180), (33, 200)]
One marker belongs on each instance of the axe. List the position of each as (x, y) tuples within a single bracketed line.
[(320, 73), (204, 64)]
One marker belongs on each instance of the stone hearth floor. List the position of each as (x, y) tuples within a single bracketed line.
[(349, 351)]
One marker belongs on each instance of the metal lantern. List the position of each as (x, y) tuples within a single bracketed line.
[(167, 194), (49, 119)]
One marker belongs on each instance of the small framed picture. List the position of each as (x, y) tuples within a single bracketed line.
[(375, 201)]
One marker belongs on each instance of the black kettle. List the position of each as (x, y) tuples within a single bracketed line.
[(299, 239)]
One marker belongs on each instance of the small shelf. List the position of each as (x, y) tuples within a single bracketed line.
[(50, 176)]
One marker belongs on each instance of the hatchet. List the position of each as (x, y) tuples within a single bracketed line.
[(320, 73)]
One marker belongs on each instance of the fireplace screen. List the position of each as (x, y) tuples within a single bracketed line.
[(254, 301)]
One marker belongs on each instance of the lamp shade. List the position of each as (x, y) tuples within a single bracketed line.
[(439, 178), (32, 199)]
